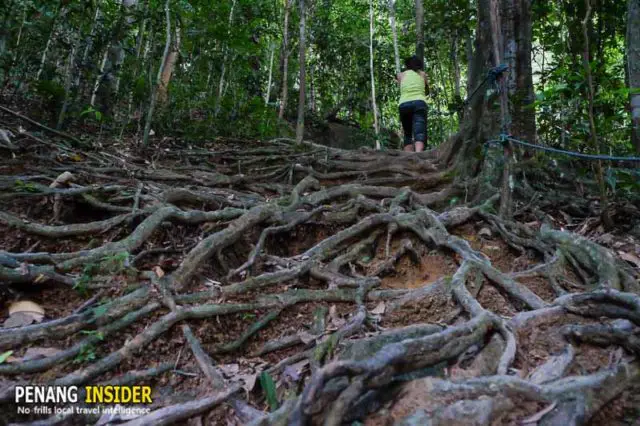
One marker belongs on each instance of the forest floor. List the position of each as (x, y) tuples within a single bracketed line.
[(260, 282)]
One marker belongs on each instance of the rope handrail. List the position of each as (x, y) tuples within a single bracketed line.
[(504, 138)]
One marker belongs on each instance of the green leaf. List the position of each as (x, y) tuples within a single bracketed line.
[(99, 311), (5, 356), (269, 388)]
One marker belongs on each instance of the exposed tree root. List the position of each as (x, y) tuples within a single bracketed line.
[(313, 265)]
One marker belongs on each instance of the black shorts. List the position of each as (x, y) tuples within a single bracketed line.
[(413, 115)]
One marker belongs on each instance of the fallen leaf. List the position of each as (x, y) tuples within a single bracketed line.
[(62, 179), (19, 319), (379, 310), (631, 258), (485, 232), (23, 313), (249, 381), (159, 272), (229, 370), (29, 307)]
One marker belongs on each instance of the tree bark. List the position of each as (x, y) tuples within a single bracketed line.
[(169, 66), (633, 68), (154, 92), (68, 85), (481, 121), (593, 134), (268, 91), (47, 46), (302, 97), (394, 34), (376, 126), (285, 60), (503, 35), (455, 62), (420, 29), (224, 62), (517, 47)]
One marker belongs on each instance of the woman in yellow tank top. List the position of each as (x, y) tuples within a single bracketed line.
[(413, 104)]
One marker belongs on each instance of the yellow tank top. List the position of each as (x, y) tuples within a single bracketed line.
[(412, 87)]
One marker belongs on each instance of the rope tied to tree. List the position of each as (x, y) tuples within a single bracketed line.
[(504, 138)]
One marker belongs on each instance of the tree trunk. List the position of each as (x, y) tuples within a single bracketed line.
[(604, 213), (633, 68), (14, 54), (114, 56), (224, 62), (455, 62), (47, 46), (268, 91), (420, 29), (394, 34), (502, 34), (517, 30), (68, 85), (312, 89), (376, 127), (302, 97), (154, 91), (169, 67), (285, 60), (481, 120)]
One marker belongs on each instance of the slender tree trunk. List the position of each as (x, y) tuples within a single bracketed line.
[(14, 54), (285, 60), (138, 63), (96, 85), (420, 29), (394, 34), (47, 46), (169, 66), (224, 61), (376, 126), (68, 86), (593, 135), (302, 97), (469, 53), (455, 62), (267, 94), (312, 88), (633, 68), (154, 91)]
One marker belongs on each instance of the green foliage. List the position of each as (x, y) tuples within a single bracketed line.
[(113, 265), (4, 356), (22, 186), (269, 389), (92, 112), (87, 353)]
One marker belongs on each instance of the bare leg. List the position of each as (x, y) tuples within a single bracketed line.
[(419, 146), (408, 148)]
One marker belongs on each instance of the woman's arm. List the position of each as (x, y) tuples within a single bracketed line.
[(426, 81), (399, 77)]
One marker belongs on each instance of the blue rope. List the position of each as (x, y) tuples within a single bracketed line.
[(504, 138)]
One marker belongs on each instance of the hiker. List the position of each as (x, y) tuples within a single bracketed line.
[(413, 104)]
